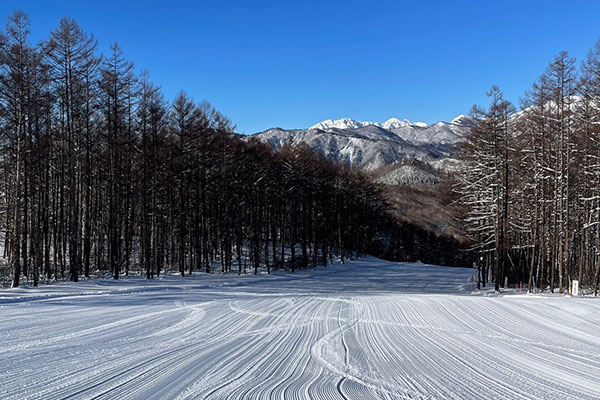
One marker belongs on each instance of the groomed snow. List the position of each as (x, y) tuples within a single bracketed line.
[(367, 329)]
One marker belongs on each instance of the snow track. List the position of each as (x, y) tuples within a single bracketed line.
[(367, 329)]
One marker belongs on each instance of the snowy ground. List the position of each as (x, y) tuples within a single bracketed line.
[(368, 329)]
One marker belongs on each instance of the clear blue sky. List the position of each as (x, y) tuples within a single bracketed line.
[(292, 64)]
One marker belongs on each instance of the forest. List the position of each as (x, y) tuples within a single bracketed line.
[(102, 176), (529, 188)]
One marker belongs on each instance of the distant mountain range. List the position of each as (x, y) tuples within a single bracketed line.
[(373, 145), (347, 123)]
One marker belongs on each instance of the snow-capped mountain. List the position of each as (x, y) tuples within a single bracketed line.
[(343, 123), (348, 123), (372, 145), (395, 123)]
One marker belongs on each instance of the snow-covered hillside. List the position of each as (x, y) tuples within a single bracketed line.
[(373, 145), (367, 329), (408, 175)]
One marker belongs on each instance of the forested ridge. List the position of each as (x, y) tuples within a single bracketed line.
[(530, 183), (102, 175)]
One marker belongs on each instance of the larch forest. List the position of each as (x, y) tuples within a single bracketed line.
[(530, 188), (102, 176)]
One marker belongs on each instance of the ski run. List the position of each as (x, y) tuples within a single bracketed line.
[(367, 329)]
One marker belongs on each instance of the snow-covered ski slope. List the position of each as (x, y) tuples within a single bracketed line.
[(367, 329)]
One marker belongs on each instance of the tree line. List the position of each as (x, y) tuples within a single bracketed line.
[(102, 175), (530, 184)]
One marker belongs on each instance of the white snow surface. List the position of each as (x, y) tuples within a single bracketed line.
[(367, 329)]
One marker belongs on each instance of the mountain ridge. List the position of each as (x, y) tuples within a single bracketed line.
[(373, 145), (349, 123)]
